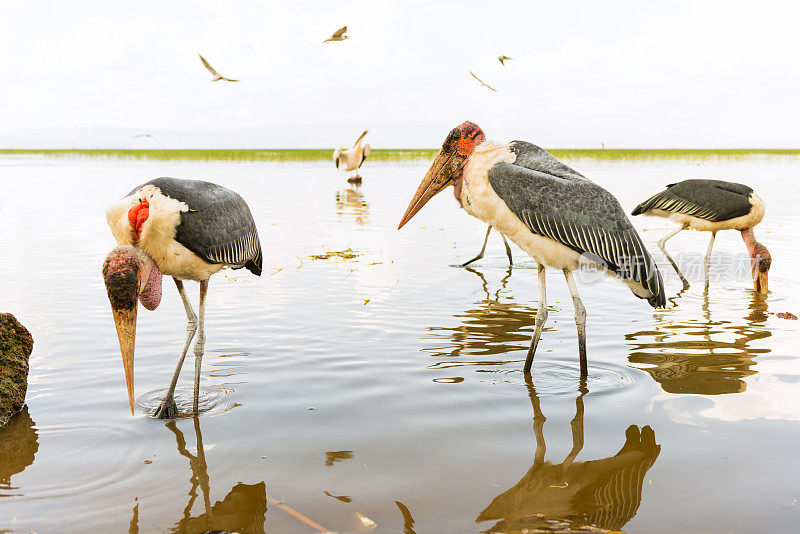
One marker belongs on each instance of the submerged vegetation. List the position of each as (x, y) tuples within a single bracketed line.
[(389, 154)]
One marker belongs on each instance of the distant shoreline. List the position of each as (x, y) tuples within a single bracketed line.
[(325, 154)]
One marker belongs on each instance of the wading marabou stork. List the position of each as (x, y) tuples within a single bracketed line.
[(560, 218), (187, 229), (711, 206), (352, 158)]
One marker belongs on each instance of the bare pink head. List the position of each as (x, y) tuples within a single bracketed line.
[(130, 276)]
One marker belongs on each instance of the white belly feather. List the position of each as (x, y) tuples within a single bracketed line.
[(480, 200), (157, 238)]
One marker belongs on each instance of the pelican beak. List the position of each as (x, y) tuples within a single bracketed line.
[(125, 321), (443, 170), (121, 273)]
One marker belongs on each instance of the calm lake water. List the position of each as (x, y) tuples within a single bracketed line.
[(383, 390)]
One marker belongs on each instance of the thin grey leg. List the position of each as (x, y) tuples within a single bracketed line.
[(483, 249), (707, 259), (541, 317), (580, 320), (662, 245), (199, 345), (167, 408), (577, 427), (508, 250)]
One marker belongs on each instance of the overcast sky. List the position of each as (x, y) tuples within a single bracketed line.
[(627, 74)]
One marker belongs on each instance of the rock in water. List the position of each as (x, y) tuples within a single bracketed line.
[(16, 345)]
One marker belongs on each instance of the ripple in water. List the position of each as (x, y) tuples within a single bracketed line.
[(213, 401), (553, 379)]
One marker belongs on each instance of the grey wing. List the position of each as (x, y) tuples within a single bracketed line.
[(218, 227), (580, 215), (711, 200)]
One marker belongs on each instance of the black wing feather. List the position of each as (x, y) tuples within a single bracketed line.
[(711, 200), (218, 227), (555, 201)]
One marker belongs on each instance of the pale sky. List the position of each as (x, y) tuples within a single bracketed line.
[(627, 74)]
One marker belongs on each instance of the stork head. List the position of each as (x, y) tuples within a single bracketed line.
[(130, 277), (760, 262), (447, 167)]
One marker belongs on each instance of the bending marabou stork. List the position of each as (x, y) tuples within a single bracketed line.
[(711, 206), (352, 158), (560, 218), (187, 229)]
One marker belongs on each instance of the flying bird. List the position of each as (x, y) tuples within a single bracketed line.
[(559, 217), (147, 135), (217, 76), (352, 158), (187, 229), (503, 59), (482, 82), (338, 35), (711, 206)]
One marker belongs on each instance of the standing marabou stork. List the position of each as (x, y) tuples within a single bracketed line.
[(187, 229), (352, 158), (560, 218), (711, 206)]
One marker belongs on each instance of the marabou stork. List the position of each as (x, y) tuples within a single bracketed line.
[(711, 206), (560, 218), (187, 229), (483, 249), (352, 158)]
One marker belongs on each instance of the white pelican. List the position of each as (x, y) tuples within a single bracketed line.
[(352, 158)]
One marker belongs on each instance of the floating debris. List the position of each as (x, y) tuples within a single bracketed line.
[(786, 315), (343, 498), (331, 457), (346, 254), (366, 521)]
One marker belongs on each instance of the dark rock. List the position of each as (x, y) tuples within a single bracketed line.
[(16, 345)]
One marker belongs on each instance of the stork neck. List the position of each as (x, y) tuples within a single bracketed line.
[(749, 238)]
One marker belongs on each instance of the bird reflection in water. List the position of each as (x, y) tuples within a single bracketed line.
[(604, 493), (19, 443), (493, 326), (701, 356), (242, 510), (350, 203)]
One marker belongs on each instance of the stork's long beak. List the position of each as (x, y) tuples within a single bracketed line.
[(125, 321), (761, 282), (439, 176)]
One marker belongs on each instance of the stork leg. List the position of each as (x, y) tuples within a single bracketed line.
[(167, 408), (707, 259), (541, 317), (483, 249), (662, 245), (508, 250), (199, 344), (580, 320)]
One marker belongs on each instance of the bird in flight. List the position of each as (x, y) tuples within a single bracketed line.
[(217, 76), (338, 35), (482, 82), (503, 59), (142, 135)]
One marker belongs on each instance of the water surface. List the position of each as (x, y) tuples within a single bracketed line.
[(365, 382)]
